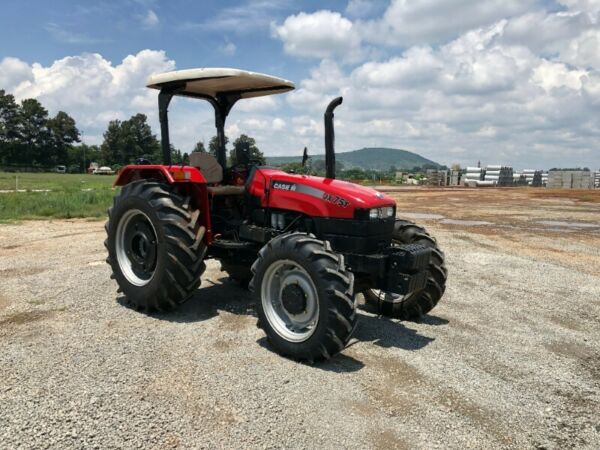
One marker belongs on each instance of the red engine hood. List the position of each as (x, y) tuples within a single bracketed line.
[(314, 196)]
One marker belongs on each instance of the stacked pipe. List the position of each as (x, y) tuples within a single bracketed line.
[(530, 176), (473, 176), (597, 180), (492, 175)]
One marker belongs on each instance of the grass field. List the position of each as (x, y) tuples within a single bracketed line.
[(53, 195)]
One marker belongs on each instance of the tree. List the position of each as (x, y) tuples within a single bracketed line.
[(240, 143), (112, 146), (293, 167), (199, 147), (355, 174), (63, 133), (80, 156), (318, 166), (125, 142), (34, 133), (213, 145), (9, 127), (177, 157)]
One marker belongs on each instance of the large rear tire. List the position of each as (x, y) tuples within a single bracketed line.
[(155, 245), (304, 297), (415, 305)]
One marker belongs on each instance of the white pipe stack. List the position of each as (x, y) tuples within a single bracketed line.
[(473, 175)]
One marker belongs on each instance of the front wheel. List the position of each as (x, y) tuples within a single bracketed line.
[(414, 305), (304, 297)]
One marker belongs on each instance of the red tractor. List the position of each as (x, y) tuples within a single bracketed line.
[(305, 245)]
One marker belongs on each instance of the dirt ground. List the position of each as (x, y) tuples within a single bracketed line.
[(510, 358)]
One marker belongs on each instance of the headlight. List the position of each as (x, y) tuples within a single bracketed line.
[(384, 212)]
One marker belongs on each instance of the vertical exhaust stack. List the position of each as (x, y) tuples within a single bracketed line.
[(164, 98), (330, 138)]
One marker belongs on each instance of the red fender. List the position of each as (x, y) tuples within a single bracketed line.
[(187, 176), (168, 174)]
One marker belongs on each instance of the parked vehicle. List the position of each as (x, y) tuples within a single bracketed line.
[(104, 170), (305, 245)]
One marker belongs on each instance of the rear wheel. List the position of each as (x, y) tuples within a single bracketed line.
[(412, 306), (155, 246), (304, 297)]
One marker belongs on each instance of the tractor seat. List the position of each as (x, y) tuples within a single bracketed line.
[(208, 165), (213, 172)]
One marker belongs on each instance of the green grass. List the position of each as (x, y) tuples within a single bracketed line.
[(68, 196), (54, 181)]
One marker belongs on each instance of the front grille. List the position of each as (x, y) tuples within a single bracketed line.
[(355, 236)]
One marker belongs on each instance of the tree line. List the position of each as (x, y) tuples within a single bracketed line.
[(31, 138)]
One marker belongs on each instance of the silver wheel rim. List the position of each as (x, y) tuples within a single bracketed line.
[(123, 250), (291, 327)]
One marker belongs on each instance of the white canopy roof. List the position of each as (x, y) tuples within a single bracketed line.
[(213, 81)]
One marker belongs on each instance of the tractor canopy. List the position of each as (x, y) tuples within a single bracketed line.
[(213, 82), (221, 87)]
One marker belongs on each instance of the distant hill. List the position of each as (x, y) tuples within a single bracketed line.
[(366, 158)]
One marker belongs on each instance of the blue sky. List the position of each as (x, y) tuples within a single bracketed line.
[(501, 81)]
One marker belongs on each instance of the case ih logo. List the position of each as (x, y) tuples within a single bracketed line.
[(284, 186)]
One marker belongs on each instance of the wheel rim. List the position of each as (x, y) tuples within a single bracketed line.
[(136, 247), (290, 300)]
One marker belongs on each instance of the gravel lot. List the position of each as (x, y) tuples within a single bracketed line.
[(509, 359)]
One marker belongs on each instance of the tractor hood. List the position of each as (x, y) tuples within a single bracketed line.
[(314, 196)]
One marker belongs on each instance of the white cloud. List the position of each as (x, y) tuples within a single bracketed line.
[(487, 94), (228, 48), (89, 87), (323, 34), (150, 19), (408, 22), (584, 50), (551, 75), (278, 124), (13, 72), (590, 6)]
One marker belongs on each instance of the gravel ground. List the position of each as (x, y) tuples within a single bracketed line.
[(509, 359)]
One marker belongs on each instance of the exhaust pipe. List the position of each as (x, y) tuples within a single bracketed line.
[(330, 138)]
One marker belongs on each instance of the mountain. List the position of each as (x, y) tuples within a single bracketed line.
[(365, 158)]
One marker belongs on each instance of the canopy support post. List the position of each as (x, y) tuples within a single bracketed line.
[(222, 105)]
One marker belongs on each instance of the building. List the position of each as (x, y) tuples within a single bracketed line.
[(454, 178), (570, 179), (436, 177)]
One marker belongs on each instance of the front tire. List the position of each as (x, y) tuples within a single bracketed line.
[(155, 245), (304, 297), (417, 304)]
